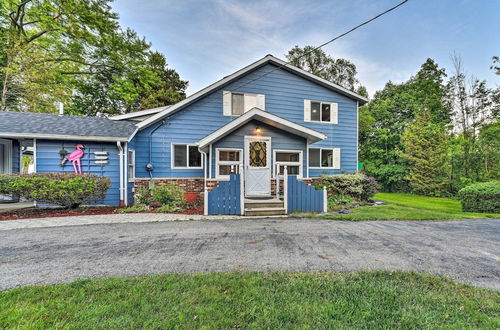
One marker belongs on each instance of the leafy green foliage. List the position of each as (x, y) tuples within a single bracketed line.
[(481, 197), (368, 299), (337, 70), (136, 208), (65, 189), (393, 109), (338, 202), (142, 196), (168, 194), (75, 52), (171, 208), (425, 145), (357, 186)]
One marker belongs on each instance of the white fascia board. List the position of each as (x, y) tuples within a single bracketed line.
[(202, 92), (336, 87), (227, 79), (264, 117), (63, 137), (139, 113)]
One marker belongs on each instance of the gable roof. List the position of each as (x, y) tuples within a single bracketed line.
[(265, 117), (66, 127), (226, 80)]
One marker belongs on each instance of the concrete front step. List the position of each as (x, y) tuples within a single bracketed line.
[(263, 204), (264, 211)]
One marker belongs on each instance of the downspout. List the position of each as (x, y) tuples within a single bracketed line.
[(120, 149), (149, 166)]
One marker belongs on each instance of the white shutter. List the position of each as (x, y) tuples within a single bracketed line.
[(307, 110), (261, 102), (336, 158), (334, 115), (250, 101), (226, 103)]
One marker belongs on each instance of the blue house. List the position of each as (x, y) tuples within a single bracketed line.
[(250, 125)]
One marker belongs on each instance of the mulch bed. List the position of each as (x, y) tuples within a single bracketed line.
[(48, 212)]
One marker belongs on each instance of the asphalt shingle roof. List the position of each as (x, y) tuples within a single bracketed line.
[(38, 124)]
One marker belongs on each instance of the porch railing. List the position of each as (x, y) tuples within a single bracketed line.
[(300, 197)]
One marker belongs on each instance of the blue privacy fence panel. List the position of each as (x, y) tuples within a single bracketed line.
[(225, 199), (302, 197)]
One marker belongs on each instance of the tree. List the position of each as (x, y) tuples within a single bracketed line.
[(337, 70), (392, 110), (74, 51), (425, 144)]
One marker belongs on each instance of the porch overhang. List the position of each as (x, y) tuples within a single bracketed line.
[(265, 117)]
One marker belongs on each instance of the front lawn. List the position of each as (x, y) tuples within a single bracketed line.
[(376, 299), (410, 207)]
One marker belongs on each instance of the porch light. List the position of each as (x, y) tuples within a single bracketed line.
[(257, 130)]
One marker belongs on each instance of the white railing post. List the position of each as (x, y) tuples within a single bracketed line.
[(205, 201), (325, 200), (285, 189), (242, 191), (277, 177)]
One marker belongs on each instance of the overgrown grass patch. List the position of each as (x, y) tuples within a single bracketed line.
[(375, 299), (410, 207)]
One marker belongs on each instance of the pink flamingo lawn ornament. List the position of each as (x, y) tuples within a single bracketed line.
[(75, 157)]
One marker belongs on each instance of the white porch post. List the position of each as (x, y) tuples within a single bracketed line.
[(285, 189), (242, 190), (325, 200)]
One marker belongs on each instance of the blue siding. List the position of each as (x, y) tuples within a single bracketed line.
[(48, 160), (285, 93)]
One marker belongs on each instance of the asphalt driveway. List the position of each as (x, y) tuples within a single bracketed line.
[(467, 251)]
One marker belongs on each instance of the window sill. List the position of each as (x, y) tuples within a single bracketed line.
[(321, 122), (187, 168), (323, 168)]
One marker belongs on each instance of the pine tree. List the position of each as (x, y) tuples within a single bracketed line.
[(425, 145)]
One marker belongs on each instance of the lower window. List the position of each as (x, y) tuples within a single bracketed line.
[(186, 156), (227, 162), (323, 158), (291, 159)]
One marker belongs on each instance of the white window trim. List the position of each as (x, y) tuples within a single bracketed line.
[(8, 151), (226, 162), (301, 161), (320, 108), (131, 163), (187, 167), (320, 155), (256, 95)]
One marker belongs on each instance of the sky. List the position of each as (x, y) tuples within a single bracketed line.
[(207, 40)]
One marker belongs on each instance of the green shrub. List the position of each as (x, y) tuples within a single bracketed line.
[(142, 196), (358, 186), (337, 202), (65, 189), (481, 197), (168, 194), (168, 208), (136, 208)]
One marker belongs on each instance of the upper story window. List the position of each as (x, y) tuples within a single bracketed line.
[(320, 112), (236, 103), (185, 156)]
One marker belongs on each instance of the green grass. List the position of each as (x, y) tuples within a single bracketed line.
[(376, 299), (410, 207)]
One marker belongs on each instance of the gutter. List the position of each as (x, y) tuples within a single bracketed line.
[(63, 137)]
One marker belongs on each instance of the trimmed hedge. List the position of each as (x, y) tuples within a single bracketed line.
[(358, 186), (65, 189), (481, 197)]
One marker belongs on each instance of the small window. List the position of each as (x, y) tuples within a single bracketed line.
[(324, 158), (227, 162), (289, 158), (186, 156), (322, 112), (237, 104), (131, 164)]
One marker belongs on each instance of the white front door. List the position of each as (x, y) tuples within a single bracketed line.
[(258, 166)]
